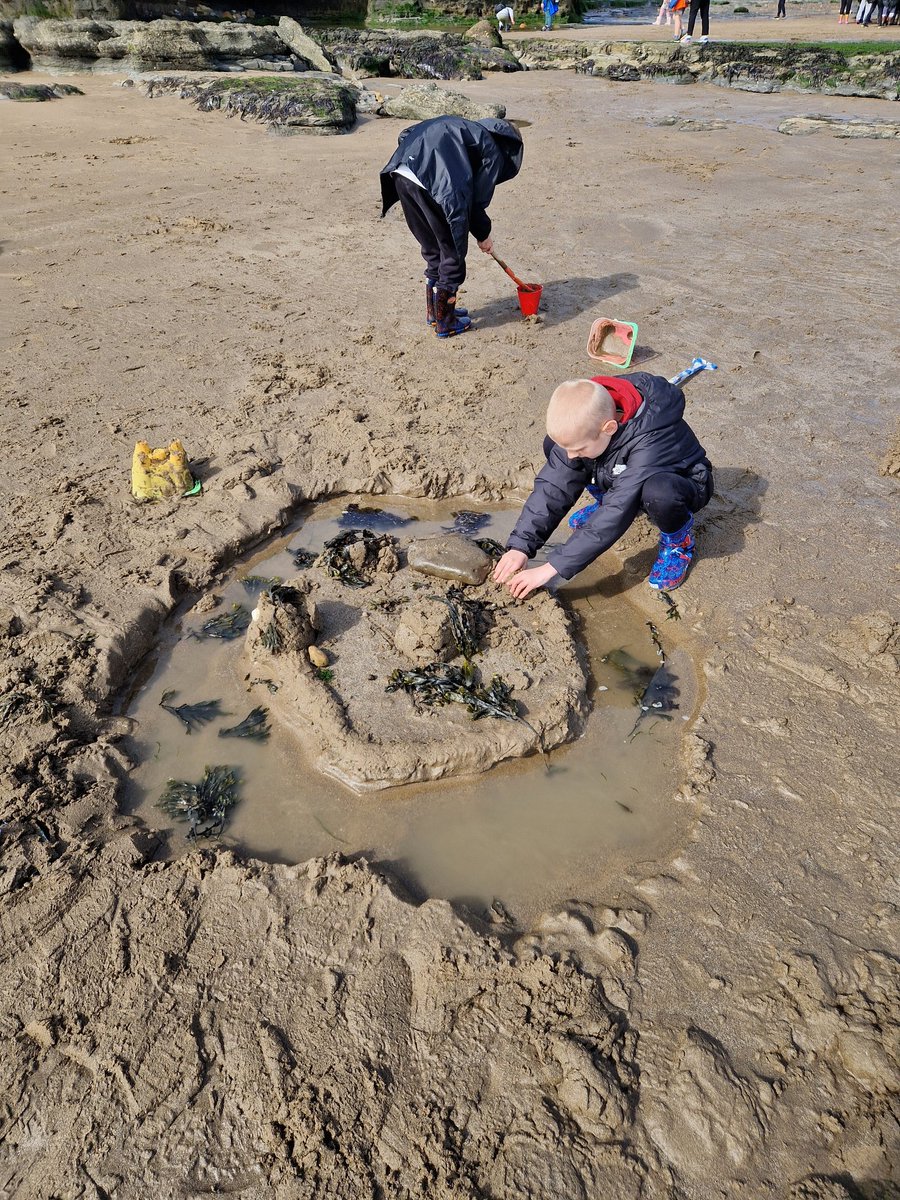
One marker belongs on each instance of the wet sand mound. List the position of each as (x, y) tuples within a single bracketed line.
[(371, 738)]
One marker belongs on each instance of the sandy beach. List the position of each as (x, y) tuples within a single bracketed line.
[(720, 1024)]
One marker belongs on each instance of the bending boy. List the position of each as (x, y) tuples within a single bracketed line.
[(626, 441), (444, 172)]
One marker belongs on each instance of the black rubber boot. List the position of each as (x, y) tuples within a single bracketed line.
[(429, 303), (448, 322)]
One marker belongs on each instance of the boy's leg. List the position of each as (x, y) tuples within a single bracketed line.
[(429, 227), (670, 501)]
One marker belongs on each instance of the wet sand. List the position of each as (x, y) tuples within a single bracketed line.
[(725, 1024)]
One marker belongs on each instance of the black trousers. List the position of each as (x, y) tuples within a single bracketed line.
[(846, 5), (701, 7), (669, 499), (430, 228)]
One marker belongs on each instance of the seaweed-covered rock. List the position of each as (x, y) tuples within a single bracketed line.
[(420, 101), (744, 65), (420, 55), (303, 46), (37, 91), (324, 104)]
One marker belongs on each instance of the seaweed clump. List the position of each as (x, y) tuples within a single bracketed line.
[(205, 805), (444, 683), (254, 726), (355, 551), (192, 716)]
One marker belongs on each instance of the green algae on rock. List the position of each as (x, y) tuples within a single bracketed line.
[(326, 105)]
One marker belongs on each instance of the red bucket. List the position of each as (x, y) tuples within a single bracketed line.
[(530, 298)]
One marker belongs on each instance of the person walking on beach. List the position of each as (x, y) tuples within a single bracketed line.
[(676, 8), (550, 9), (781, 14), (701, 7), (443, 173), (844, 17), (665, 14)]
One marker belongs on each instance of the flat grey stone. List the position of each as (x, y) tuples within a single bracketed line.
[(450, 556)]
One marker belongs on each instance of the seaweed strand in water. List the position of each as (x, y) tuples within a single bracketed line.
[(466, 522), (364, 516), (302, 558), (192, 716), (227, 625), (204, 804), (255, 725), (260, 583)]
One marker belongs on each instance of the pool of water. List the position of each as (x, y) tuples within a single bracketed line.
[(529, 834)]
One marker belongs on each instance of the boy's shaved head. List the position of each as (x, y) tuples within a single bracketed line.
[(577, 410)]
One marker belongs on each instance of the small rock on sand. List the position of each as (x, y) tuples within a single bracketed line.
[(450, 557)]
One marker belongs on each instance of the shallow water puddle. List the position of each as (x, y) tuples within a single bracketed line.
[(528, 833)]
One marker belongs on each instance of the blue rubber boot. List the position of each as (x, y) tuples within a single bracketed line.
[(676, 550), (577, 519), (430, 287), (447, 321)]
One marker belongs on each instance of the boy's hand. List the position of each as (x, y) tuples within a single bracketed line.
[(486, 246), (510, 564), (526, 582)]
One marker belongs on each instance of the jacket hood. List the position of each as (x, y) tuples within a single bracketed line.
[(509, 142)]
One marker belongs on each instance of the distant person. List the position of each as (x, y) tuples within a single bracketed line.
[(506, 18), (626, 442), (781, 14), (844, 17), (443, 173), (676, 8), (550, 8), (701, 7), (665, 14)]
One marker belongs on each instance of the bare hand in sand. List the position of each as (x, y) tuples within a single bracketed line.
[(526, 582), (510, 564)]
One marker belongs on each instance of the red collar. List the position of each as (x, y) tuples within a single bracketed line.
[(626, 397)]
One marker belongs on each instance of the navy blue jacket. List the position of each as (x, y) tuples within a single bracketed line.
[(459, 163), (657, 438)]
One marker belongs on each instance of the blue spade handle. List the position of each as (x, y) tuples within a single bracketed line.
[(698, 365)]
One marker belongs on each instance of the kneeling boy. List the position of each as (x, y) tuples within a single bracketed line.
[(626, 441)]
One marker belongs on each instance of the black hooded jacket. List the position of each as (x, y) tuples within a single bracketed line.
[(657, 438), (459, 163)]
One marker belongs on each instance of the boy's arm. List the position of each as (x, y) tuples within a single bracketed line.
[(621, 504), (558, 485)]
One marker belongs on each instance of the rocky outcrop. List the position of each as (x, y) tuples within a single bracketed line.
[(303, 46), (422, 55), (37, 91), (483, 33), (742, 65), (152, 45), (423, 100), (840, 127), (324, 104)]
